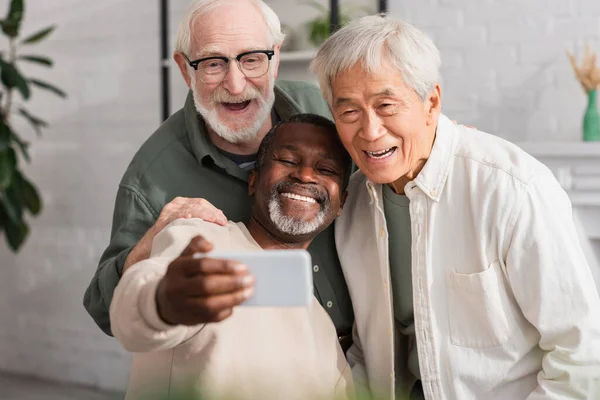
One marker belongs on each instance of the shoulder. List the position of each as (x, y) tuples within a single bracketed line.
[(176, 236), (304, 96), (168, 144), (483, 151)]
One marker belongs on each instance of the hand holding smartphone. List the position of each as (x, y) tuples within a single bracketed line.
[(282, 278)]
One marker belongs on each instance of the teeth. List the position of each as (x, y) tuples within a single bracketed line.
[(380, 154), (297, 197)]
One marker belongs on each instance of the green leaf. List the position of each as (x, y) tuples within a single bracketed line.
[(22, 145), (31, 197), (11, 78), (36, 37), (34, 121), (15, 12), (16, 232), (5, 136), (49, 87), (8, 164), (12, 22), (37, 59), (12, 202)]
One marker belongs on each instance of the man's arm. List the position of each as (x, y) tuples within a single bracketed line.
[(134, 316), (554, 287), (164, 300), (132, 218), (135, 223)]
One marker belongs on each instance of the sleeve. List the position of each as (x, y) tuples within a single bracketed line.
[(554, 287), (356, 360), (131, 220), (133, 312)]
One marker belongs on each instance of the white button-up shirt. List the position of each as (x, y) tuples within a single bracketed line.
[(505, 304)]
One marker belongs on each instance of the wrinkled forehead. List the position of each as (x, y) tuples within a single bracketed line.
[(308, 140), (230, 30), (359, 81)]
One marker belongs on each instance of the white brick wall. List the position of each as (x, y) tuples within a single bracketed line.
[(503, 73), (504, 66), (106, 58)]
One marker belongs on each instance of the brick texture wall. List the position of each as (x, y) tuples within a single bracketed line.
[(504, 71), (504, 66)]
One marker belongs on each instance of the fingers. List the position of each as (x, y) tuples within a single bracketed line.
[(216, 217), (197, 245), (214, 285), (198, 264), (220, 306), (183, 207)]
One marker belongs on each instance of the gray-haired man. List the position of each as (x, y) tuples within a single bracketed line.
[(458, 248)]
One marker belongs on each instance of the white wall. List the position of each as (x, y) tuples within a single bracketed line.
[(504, 66), (506, 75), (106, 58)]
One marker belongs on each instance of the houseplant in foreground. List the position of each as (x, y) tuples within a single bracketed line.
[(18, 195)]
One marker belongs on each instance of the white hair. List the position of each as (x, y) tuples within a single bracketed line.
[(373, 41), (199, 8), (293, 226), (242, 131)]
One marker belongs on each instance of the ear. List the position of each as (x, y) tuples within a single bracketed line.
[(184, 67), (275, 61), (252, 183), (433, 105), (343, 198)]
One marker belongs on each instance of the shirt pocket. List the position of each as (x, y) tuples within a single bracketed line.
[(481, 313)]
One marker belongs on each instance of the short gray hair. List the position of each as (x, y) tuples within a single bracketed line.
[(372, 40), (199, 8)]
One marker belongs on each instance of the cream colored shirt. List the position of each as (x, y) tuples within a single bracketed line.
[(257, 353)]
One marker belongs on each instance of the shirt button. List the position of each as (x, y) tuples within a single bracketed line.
[(382, 232), (329, 304), (389, 332), (316, 268), (385, 285), (433, 192)]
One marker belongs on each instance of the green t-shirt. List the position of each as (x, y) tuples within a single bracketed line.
[(397, 216)]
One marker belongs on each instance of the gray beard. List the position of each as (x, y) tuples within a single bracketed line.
[(236, 134), (291, 226)]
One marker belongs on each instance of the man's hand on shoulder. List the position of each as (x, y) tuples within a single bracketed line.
[(179, 207), (197, 290)]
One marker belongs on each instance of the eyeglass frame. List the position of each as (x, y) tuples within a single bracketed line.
[(269, 53)]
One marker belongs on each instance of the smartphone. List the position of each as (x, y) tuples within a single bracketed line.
[(282, 278)]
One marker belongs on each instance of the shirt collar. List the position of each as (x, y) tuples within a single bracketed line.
[(205, 151), (433, 176)]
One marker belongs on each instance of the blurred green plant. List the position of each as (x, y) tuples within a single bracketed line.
[(319, 27), (18, 194)]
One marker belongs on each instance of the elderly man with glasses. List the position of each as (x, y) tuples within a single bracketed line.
[(228, 54)]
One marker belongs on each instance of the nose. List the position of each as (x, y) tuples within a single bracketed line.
[(304, 174), (372, 127), (235, 80)]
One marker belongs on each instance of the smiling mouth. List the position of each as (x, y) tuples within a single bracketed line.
[(237, 106), (381, 154), (299, 198)]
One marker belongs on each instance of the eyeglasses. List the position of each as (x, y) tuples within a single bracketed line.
[(253, 64)]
